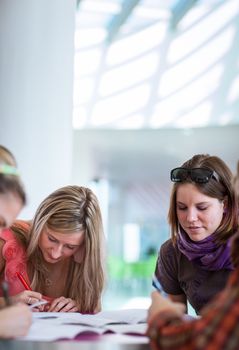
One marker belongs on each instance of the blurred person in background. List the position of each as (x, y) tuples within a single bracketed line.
[(15, 320)]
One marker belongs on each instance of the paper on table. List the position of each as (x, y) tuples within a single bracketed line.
[(127, 316), (44, 331), (48, 326), (131, 316)]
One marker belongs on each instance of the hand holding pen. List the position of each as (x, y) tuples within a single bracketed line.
[(160, 303), (28, 296)]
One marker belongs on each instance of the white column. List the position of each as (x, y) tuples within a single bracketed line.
[(36, 89)]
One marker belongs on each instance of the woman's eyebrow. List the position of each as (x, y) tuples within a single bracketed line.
[(69, 244)]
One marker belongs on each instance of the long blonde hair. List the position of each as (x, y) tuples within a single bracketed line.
[(67, 210)]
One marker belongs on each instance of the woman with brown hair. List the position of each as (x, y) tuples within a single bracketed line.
[(194, 264), (217, 328)]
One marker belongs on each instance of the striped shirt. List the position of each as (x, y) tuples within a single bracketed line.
[(217, 329)]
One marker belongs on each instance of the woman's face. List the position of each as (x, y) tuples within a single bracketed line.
[(57, 246), (198, 214), (10, 206)]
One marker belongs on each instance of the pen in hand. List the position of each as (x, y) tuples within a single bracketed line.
[(5, 293), (158, 286), (46, 300), (23, 281)]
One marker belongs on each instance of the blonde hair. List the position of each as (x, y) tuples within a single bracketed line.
[(9, 178), (221, 189), (67, 210)]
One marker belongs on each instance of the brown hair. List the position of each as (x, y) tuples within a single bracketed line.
[(222, 190), (235, 182), (9, 178)]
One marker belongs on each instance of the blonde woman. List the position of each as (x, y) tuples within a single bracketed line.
[(15, 320), (61, 252)]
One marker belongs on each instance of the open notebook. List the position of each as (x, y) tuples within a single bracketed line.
[(48, 326)]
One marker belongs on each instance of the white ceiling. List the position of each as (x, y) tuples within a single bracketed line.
[(147, 155)]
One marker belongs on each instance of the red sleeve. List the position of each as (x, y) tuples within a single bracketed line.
[(214, 330)]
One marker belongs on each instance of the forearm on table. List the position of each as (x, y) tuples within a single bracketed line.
[(168, 329)]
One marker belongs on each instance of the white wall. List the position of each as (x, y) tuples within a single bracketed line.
[(36, 82)]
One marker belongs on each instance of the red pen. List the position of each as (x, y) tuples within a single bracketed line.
[(23, 281)]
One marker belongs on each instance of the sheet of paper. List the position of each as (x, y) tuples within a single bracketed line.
[(45, 331), (49, 326), (131, 316), (127, 316)]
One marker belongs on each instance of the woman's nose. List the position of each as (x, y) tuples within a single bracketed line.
[(56, 252), (191, 215)]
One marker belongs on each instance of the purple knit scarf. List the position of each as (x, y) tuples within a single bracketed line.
[(206, 253)]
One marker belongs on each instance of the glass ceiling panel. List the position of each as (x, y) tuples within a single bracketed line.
[(133, 70)]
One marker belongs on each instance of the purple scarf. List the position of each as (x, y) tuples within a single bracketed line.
[(206, 253)]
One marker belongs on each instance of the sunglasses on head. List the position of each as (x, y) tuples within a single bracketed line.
[(198, 175)]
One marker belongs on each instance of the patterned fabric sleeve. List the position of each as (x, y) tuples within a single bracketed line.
[(217, 329), (15, 261)]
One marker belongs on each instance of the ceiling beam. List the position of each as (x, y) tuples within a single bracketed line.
[(118, 20), (179, 10)]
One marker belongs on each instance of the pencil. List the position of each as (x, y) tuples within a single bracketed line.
[(23, 281), (5, 293)]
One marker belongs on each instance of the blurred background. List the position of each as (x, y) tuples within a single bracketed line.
[(113, 94)]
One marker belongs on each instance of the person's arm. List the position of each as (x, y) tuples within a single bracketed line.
[(166, 271), (180, 298), (161, 304), (15, 321), (218, 324)]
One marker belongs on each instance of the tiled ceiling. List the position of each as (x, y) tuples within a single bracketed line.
[(120, 16), (156, 64)]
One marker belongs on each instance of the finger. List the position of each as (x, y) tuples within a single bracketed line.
[(31, 300), (55, 303), (30, 297), (58, 306), (69, 306), (36, 295), (74, 309)]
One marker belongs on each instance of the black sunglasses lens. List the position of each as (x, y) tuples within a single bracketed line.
[(198, 175), (201, 175), (179, 174)]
